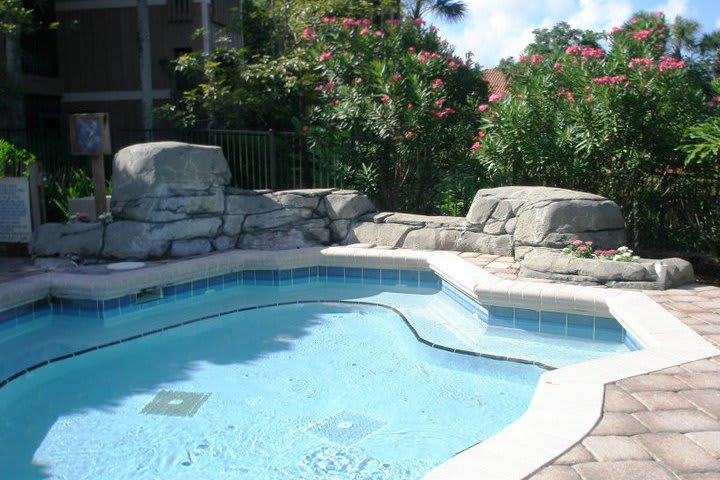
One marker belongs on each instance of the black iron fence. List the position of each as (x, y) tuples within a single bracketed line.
[(257, 159)]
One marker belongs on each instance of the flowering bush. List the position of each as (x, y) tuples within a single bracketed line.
[(607, 120), (584, 249), (580, 249), (400, 97)]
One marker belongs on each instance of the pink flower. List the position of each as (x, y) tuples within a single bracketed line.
[(409, 135), (437, 83), (305, 129), (384, 98), (395, 78), (522, 58), (378, 33), (569, 96), (582, 248), (476, 146), (411, 49), (419, 22), (441, 114), (520, 95), (591, 52), (669, 63), (433, 28), (557, 66), (577, 242), (659, 14), (535, 58), (494, 97), (358, 80), (572, 49), (640, 35), (589, 99), (410, 106), (483, 107), (634, 21), (307, 33), (439, 103), (452, 65), (330, 86), (611, 80), (329, 19), (324, 56), (644, 62), (481, 134), (615, 30), (365, 31)]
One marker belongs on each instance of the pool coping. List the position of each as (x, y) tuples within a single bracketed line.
[(572, 394)]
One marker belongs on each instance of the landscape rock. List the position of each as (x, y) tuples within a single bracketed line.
[(187, 248), (167, 169), (224, 242), (553, 264), (132, 241), (346, 204), (80, 239)]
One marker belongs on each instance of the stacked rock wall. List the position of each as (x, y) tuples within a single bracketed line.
[(174, 200), (502, 221)]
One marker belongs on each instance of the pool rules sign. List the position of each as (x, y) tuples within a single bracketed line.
[(15, 222)]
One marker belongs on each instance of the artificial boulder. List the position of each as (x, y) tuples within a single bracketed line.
[(547, 217)]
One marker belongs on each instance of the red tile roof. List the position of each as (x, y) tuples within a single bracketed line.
[(497, 82)]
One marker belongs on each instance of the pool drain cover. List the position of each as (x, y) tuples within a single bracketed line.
[(175, 404), (345, 428)]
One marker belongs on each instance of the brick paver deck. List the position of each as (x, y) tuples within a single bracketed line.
[(664, 425)]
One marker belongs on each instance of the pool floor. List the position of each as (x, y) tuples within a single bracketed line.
[(316, 391)]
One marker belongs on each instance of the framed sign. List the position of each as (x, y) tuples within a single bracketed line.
[(90, 134), (15, 222)]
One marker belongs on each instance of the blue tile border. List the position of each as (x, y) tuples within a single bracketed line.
[(589, 327), (111, 308), (21, 373)]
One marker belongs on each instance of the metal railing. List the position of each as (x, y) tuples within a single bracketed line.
[(257, 159)]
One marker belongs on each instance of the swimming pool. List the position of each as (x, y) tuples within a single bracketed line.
[(314, 372)]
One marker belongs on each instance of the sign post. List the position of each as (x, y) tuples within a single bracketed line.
[(90, 136)]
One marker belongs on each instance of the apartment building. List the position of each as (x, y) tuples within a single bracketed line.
[(111, 56)]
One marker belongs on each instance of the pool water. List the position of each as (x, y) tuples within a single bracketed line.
[(338, 387)]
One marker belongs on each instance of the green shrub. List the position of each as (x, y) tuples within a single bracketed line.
[(14, 161)]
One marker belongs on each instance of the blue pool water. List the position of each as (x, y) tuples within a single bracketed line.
[(335, 386)]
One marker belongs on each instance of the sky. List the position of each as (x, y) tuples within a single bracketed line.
[(494, 29)]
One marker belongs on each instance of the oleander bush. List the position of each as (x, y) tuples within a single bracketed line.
[(610, 121), (397, 94)]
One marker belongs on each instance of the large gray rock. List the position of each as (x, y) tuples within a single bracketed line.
[(346, 204), (81, 239), (187, 248), (167, 169), (133, 240), (547, 217), (547, 263), (276, 218), (388, 234), (432, 239), (141, 240)]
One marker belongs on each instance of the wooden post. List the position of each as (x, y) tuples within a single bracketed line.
[(37, 199), (98, 177)]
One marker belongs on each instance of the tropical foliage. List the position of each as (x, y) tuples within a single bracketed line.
[(401, 97), (610, 121)]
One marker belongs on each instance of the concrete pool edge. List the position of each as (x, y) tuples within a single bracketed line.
[(567, 402)]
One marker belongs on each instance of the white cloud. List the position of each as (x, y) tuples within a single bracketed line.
[(494, 30), (673, 8)]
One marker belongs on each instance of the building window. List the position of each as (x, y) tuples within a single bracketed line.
[(180, 10)]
